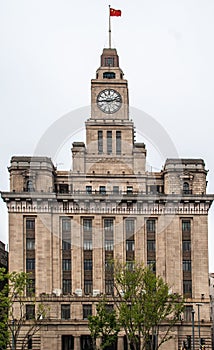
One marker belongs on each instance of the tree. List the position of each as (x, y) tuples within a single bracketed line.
[(144, 303), (104, 324), (16, 315)]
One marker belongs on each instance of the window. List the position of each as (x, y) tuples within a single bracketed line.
[(109, 61), (186, 246), (102, 190), (30, 224), (108, 75), (109, 245), (108, 225), (88, 287), (63, 188), (30, 312), (129, 246), (30, 264), (66, 225), (130, 265), (115, 189), (151, 246), (87, 311), (152, 265), (30, 243), (66, 286), (130, 227), (186, 265), (129, 190), (30, 288), (188, 313), (65, 312), (186, 189), (88, 264), (66, 265), (66, 244), (150, 226), (186, 225), (118, 142), (109, 286), (86, 342), (87, 225), (109, 266), (67, 342), (30, 186), (87, 245), (89, 189), (187, 287), (100, 141), (109, 142)]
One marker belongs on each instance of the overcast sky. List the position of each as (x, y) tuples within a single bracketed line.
[(50, 50)]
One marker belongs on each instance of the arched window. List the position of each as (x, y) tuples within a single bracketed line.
[(30, 186), (186, 189), (108, 75)]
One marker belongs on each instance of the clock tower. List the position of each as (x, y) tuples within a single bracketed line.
[(109, 91)]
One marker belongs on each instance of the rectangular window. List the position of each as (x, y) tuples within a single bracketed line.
[(66, 225), (30, 312), (66, 234), (100, 141), (150, 226), (65, 311), (118, 142), (87, 225), (109, 286), (30, 243), (87, 245), (109, 142), (188, 313), (129, 246), (66, 286), (30, 264), (88, 264), (130, 227), (87, 311), (115, 189), (151, 246), (67, 342), (130, 265), (88, 287), (89, 189), (31, 287), (186, 246), (102, 190), (29, 342), (187, 288), (109, 61), (30, 224), (66, 265), (129, 190), (152, 265), (186, 265), (186, 225), (108, 225), (109, 245)]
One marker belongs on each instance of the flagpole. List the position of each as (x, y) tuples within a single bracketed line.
[(109, 31)]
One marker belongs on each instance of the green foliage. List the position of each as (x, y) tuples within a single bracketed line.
[(144, 302), (104, 324), (12, 319)]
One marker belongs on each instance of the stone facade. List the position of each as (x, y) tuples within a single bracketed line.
[(65, 225)]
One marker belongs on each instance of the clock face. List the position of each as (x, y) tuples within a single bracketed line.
[(109, 101)]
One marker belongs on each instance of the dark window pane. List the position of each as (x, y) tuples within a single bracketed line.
[(87, 311), (129, 246), (66, 265), (88, 287), (187, 287), (186, 225), (186, 246), (118, 142), (65, 311), (150, 226), (30, 264), (30, 312), (30, 243), (30, 224), (88, 264), (186, 265), (151, 246), (109, 142), (66, 286), (87, 245), (87, 225), (100, 141)]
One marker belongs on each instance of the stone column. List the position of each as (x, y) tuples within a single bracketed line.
[(76, 343)]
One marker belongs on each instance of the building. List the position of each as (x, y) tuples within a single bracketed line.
[(211, 281), (3, 260), (64, 226)]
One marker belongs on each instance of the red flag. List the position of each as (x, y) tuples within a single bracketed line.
[(114, 12)]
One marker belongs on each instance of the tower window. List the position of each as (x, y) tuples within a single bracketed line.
[(65, 312), (87, 311), (30, 187), (109, 75), (109, 61), (118, 142), (186, 189), (100, 141), (109, 142)]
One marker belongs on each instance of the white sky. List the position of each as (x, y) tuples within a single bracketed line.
[(50, 50)]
